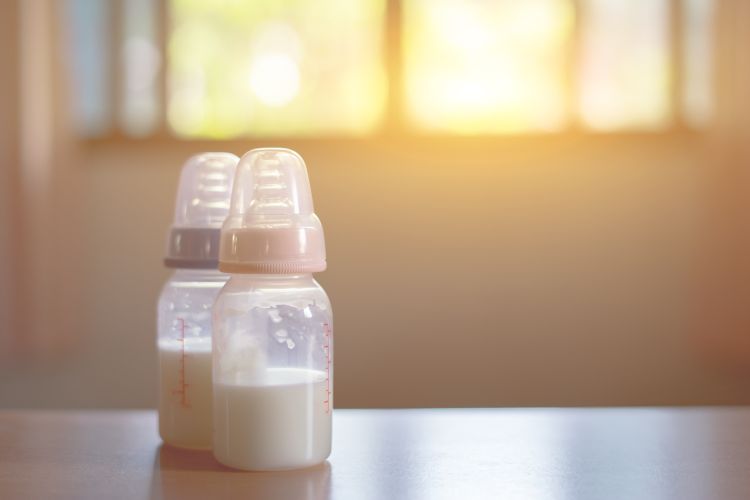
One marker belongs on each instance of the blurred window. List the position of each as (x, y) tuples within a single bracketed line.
[(480, 66), (697, 61), (625, 72), (223, 68), (90, 43), (140, 59), (275, 67)]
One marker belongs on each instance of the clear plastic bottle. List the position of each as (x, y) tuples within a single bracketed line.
[(184, 310), (273, 345)]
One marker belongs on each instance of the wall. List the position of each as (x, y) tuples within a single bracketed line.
[(462, 273), (9, 155), (517, 271)]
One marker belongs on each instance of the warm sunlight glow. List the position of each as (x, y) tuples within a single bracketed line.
[(289, 68), (274, 79), (275, 67), (486, 67)]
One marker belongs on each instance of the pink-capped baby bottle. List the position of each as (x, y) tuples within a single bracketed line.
[(272, 323)]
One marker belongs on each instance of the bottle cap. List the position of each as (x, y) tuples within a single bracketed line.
[(271, 227), (202, 205)]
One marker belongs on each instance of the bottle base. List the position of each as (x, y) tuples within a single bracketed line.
[(178, 446), (257, 467), (185, 444)]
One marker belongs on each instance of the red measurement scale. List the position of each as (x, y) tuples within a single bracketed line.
[(327, 349), (183, 385)]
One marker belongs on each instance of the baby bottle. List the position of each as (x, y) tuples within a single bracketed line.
[(272, 342), (184, 312)]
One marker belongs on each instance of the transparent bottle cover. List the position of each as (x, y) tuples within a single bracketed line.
[(272, 226), (202, 205)]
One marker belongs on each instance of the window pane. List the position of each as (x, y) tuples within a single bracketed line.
[(486, 66), (141, 61), (275, 67), (89, 39), (698, 92), (625, 70)]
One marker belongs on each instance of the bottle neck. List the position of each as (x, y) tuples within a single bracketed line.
[(199, 275), (274, 279)]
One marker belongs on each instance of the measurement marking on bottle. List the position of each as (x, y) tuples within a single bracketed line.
[(183, 385), (327, 349)]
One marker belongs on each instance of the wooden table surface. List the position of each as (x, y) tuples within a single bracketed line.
[(634, 453)]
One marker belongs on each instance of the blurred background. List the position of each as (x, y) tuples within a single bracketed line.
[(534, 203)]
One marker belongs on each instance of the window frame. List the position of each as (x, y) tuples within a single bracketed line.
[(395, 127)]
